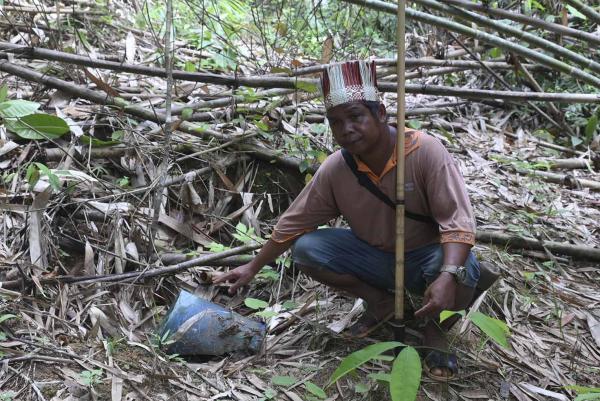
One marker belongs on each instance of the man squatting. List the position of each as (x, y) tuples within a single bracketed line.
[(360, 259)]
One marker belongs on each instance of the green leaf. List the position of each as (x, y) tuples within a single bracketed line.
[(307, 87), (32, 175), (254, 303), (575, 141), (575, 12), (315, 390), (382, 377), (495, 52), (290, 305), (266, 314), (17, 108), (414, 124), (117, 135), (496, 329), (38, 126), (356, 359), (186, 113), (590, 127), (445, 314), (285, 381), (582, 389), (406, 375), (4, 318), (3, 93)]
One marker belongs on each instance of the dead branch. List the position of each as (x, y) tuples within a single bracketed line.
[(518, 242)]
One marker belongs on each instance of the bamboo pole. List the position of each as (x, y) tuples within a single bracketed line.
[(518, 33), (399, 294), (585, 10), (485, 37), (525, 19), (286, 82)]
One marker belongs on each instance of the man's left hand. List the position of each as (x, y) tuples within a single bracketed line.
[(438, 296)]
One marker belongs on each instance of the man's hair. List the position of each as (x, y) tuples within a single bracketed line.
[(373, 107)]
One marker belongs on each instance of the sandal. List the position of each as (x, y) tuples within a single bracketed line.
[(442, 360), (366, 324)]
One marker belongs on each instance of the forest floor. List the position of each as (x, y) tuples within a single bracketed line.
[(97, 341)]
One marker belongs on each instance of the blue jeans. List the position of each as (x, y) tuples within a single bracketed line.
[(340, 251)]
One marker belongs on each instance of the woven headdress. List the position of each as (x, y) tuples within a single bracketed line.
[(348, 82)]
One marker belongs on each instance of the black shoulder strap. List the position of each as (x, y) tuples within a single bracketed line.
[(366, 182)]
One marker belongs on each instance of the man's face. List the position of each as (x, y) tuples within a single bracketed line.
[(354, 127)]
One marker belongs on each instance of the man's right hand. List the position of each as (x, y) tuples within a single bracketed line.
[(238, 277)]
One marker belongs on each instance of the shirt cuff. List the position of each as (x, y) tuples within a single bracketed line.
[(464, 237)]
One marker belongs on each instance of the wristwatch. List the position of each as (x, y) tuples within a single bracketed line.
[(459, 272)]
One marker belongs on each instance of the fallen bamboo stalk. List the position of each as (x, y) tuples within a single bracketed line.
[(562, 179), (185, 126), (573, 164), (294, 83), (174, 258), (585, 10), (525, 19), (155, 271), (534, 40), (63, 10), (515, 241), (483, 36)]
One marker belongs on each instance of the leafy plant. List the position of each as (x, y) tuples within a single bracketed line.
[(245, 234), (20, 117), (495, 329), (405, 375), (7, 395), (91, 377), (36, 170), (585, 393)]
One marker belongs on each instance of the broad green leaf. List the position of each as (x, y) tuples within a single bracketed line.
[(406, 375), (414, 124), (582, 389), (575, 140), (254, 303), (38, 126), (4, 318), (95, 142), (575, 12), (290, 305), (266, 313), (307, 87), (315, 390), (445, 314), (3, 93), (17, 108), (382, 377), (356, 359), (285, 381), (496, 329)]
